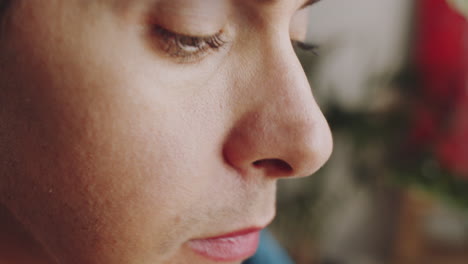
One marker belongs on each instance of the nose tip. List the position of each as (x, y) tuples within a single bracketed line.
[(294, 143), (312, 147), (279, 129)]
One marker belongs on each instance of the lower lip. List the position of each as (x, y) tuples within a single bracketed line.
[(232, 247)]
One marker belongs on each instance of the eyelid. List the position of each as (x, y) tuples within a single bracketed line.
[(204, 36), (185, 48), (307, 47), (196, 47), (309, 3)]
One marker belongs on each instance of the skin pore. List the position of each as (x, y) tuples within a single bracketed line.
[(129, 128)]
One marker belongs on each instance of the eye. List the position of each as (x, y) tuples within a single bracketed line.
[(185, 48), (306, 47)]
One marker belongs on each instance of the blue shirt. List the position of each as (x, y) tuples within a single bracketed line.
[(269, 252)]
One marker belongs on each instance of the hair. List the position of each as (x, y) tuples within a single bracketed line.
[(4, 6)]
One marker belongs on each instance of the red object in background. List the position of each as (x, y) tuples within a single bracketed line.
[(453, 148), (441, 56)]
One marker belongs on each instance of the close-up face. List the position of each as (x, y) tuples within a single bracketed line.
[(153, 131)]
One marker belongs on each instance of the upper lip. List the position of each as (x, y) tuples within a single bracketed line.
[(237, 232), (234, 233)]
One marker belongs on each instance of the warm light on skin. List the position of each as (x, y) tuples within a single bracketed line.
[(113, 152)]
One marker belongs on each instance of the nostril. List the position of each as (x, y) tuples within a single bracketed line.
[(274, 167)]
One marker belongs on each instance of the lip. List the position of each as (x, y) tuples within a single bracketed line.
[(233, 246)]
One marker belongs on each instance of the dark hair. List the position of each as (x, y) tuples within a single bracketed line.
[(4, 6)]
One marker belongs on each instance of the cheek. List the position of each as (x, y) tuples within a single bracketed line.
[(104, 171), (96, 157), (77, 170), (109, 156)]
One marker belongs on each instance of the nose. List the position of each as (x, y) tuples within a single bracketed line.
[(279, 130)]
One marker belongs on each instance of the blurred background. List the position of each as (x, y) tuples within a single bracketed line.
[(391, 78)]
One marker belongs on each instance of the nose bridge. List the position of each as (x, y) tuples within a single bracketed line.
[(282, 124), (285, 83)]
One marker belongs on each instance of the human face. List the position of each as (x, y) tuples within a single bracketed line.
[(124, 142)]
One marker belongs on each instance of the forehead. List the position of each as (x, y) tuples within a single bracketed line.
[(301, 3), (128, 8)]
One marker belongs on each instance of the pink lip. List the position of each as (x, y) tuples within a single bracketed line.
[(234, 246)]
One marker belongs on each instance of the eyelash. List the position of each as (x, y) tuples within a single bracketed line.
[(306, 47), (187, 48)]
